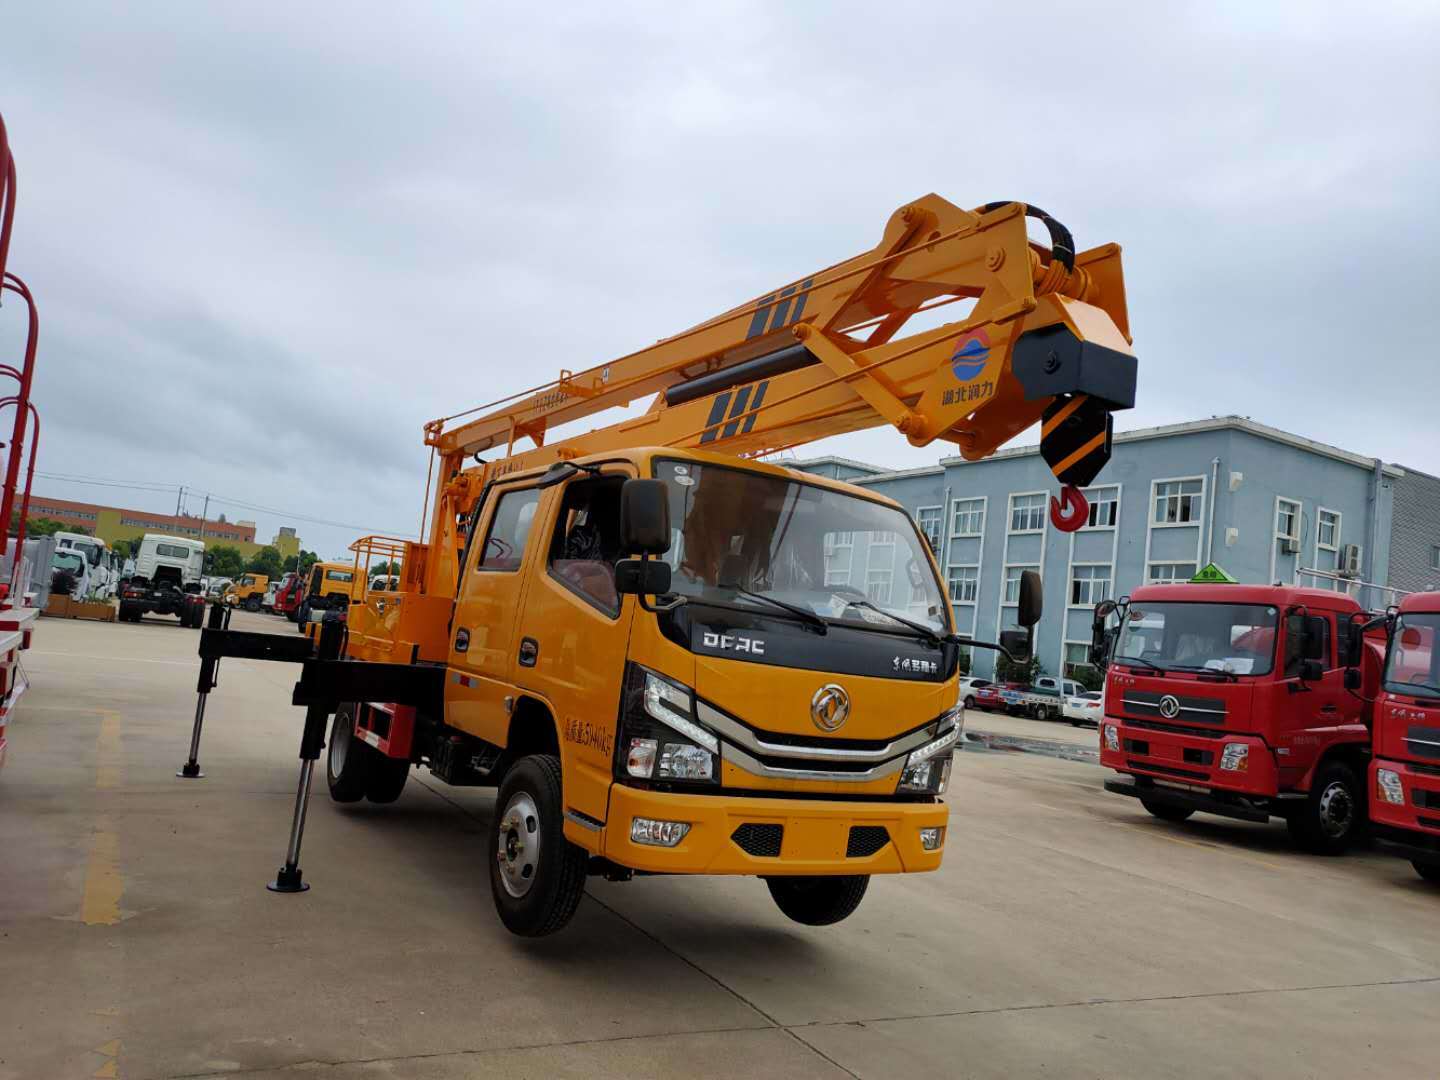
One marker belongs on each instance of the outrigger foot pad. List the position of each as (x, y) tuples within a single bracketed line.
[(288, 881), (190, 771)]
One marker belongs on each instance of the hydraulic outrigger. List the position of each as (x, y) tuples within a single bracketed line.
[(1045, 338)]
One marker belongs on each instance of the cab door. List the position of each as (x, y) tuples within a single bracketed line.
[(484, 648)]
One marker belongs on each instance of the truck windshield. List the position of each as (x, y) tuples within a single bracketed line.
[(1413, 667), (798, 543), (1238, 639)]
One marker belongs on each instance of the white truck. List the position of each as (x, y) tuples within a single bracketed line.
[(1042, 700), (103, 580), (166, 581)]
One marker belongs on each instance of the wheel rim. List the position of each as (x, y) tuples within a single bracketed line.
[(518, 844), (340, 742), (1337, 809)]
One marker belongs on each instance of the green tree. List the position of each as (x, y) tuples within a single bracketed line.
[(39, 526), (300, 563), (266, 561), (1026, 673), (224, 561), (125, 549), (1091, 678)]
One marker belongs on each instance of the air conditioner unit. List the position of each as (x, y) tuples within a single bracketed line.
[(1350, 560), (1289, 545)]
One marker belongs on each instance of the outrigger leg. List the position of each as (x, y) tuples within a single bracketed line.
[(209, 670)]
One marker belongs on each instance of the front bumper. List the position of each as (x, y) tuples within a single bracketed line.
[(1414, 827), (1189, 759), (815, 838)]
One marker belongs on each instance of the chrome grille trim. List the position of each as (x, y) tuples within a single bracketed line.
[(737, 733), (741, 760)]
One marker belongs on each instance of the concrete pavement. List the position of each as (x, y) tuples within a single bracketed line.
[(1067, 934)]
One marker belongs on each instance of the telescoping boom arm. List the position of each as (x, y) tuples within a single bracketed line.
[(1039, 334)]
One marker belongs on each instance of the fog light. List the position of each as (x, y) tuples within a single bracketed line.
[(644, 830), (1388, 786), (682, 762), (640, 761), (1235, 757), (932, 838), (1112, 738)]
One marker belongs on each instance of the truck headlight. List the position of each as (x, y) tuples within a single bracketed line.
[(1112, 738), (1388, 786), (660, 738), (927, 769), (1235, 757)]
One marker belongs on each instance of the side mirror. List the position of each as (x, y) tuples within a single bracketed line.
[(1352, 678), (1032, 598), (1016, 643), (645, 518), (1311, 670), (642, 577)]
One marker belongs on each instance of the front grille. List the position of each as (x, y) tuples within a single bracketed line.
[(1429, 822), (1428, 770), (1197, 710), (761, 841), (1199, 757), (865, 840), (1428, 799), (1165, 769), (1137, 746), (1424, 741), (1175, 729)]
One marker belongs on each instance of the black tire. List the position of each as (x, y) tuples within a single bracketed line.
[(1166, 812), (970, 701), (818, 901), (302, 615), (1333, 815), (252, 603), (347, 763), (387, 777), (1430, 871), (536, 875)]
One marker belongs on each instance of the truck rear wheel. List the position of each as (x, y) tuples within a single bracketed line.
[(346, 762), (252, 603), (1332, 815), (1164, 811), (818, 901), (536, 875), (1428, 870)]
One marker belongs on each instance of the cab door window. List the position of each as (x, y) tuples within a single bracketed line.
[(586, 541), (504, 545)]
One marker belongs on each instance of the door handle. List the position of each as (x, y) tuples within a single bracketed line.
[(1331, 708), (462, 640), (529, 652)]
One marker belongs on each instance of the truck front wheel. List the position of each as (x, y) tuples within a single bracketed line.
[(1165, 811), (252, 603), (1332, 815), (536, 876), (818, 901)]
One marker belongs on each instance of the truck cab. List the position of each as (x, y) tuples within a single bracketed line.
[(166, 581), (100, 579), (1232, 700), (1405, 772), (247, 591), (332, 586)]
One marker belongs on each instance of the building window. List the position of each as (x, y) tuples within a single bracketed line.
[(1287, 520), (1027, 513), (964, 584), (877, 585), (1435, 557), (839, 551), (1089, 585), (1328, 530), (1178, 502), (928, 518), (1104, 504), (1012, 583), (1168, 573), (1077, 659), (968, 518)]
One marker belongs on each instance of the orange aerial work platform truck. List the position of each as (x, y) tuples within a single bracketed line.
[(639, 633)]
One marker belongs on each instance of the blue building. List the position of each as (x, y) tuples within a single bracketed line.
[(1263, 504)]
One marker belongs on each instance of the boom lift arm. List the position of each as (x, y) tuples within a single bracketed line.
[(1046, 337)]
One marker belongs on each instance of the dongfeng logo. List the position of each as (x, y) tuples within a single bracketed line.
[(830, 707), (1169, 706)]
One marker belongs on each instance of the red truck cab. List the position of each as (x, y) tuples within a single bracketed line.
[(287, 596), (1405, 769), (1232, 700)]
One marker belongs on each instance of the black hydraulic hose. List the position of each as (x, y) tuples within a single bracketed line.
[(1062, 244)]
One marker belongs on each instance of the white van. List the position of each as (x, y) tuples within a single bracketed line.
[(102, 579)]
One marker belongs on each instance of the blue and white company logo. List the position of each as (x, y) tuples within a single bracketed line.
[(970, 355)]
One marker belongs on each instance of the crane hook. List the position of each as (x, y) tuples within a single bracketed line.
[(1071, 510)]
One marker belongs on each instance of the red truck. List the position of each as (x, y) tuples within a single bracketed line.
[(1405, 770), (288, 596), (1245, 701)]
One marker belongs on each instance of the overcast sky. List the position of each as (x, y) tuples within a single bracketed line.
[(269, 241)]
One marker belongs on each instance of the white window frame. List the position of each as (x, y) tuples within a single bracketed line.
[(1281, 500), (889, 583), (1090, 493), (1064, 647), (984, 501), (849, 548), (1435, 556), (1070, 584), (1276, 535), (1197, 518), (1005, 582), (1010, 508), (950, 583), (1150, 578), (1321, 513), (939, 536)]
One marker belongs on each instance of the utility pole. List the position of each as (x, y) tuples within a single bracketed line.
[(204, 515), (179, 498)]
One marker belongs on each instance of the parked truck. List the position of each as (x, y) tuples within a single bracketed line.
[(247, 591), (166, 581), (1236, 700), (635, 632), (1405, 769)]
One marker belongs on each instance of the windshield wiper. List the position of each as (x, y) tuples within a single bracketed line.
[(809, 618), (1205, 671), (920, 628), (1141, 661), (1406, 686)]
